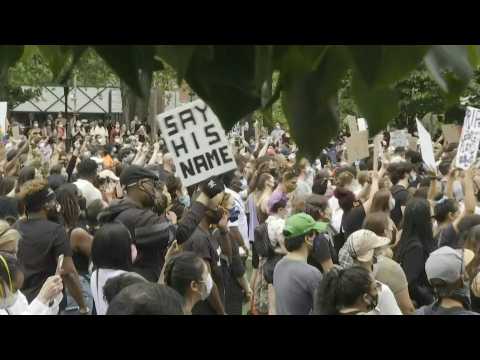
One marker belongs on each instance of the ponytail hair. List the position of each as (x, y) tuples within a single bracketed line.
[(182, 269), (341, 288)]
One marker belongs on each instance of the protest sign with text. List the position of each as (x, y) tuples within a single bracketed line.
[(468, 147), (357, 146), (451, 133), (399, 138), (197, 142)]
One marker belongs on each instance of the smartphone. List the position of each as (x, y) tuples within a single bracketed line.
[(59, 265)]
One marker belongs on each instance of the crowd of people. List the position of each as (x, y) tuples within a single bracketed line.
[(104, 226)]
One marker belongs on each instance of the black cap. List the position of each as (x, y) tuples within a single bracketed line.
[(134, 174), (212, 187)]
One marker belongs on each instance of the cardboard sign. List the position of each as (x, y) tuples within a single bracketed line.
[(412, 143), (357, 146), (197, 142), (377, 150), (468, 147), (3, 117), (362, 124), (352, 124), (399, 138), (426, 146), (451, 133)]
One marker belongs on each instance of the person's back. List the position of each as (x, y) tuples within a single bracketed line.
[(437, 309), (295, 283), (97, 282), (41, 244)]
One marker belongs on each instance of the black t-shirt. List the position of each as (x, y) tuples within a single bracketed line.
[(448, 237), (204, 245), (401, 195), (353, 220), (42, 243), (322, 251)]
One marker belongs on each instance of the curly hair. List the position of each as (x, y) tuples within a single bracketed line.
[(32, 187)]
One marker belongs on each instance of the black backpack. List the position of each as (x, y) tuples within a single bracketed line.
[(261, 242)]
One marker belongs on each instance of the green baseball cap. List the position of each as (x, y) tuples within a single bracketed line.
[(301, 224)]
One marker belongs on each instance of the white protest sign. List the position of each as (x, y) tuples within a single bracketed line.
[(3, 117), (362, 124), (468, 147), (352, 124), (426, 146), (197, 142), (357, 146), (399, 138)]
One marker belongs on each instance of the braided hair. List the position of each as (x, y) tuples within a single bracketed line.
[(67, 198)]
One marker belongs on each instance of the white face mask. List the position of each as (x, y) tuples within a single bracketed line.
[(392, 203), (208, 287), (9, 300)]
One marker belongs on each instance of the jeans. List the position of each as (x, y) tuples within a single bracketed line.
[(72, 306)]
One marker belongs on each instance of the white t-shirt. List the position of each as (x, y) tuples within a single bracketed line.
[(101, 304), (387, 304), (242, 216), (89, 192)]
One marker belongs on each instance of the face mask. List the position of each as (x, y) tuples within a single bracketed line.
[(391, 203), (184, 200), (9, 300), (208, 287), (373, 302), (413, 177)]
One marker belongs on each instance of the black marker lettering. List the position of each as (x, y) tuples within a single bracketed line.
[(200, 163), (190, 170), (224, 153), (177, 147), (203, 111), (186, 116), (195, 141), (213, 155), (212, 134), (171, 125)]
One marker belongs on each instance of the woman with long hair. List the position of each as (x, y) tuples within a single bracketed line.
[(415, 245), (112, 254)]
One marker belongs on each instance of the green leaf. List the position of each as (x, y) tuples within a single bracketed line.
[(227, 82), (381, 66), (178, 57), (56, 56), (275, 95), (263, 64), (474, 55), (450, 67), (128, 61), (300, 60), (310, 101), (379, 106), (9, 55)]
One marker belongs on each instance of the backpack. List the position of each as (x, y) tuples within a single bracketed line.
[(261, 241)]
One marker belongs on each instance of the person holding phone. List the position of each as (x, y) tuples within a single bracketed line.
[(14, 302)]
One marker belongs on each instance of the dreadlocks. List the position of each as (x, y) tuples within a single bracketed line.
[(67, 198)]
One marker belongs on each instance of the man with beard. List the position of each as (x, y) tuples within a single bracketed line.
[(43, 241), (151, 232)]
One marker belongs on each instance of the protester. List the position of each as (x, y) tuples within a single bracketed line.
[(294, 280), (445, 269), (351, 291), (13, 302), (188, 274), (113, 254), (87, 175), (415, 245), (43, 241)]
